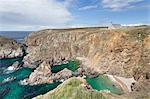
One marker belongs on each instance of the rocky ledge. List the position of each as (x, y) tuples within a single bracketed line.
[(9, 48)]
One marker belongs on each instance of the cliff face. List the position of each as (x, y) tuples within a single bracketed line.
[(122, 52), (9, 48)]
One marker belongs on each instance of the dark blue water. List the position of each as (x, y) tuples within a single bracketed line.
[(17, 35)]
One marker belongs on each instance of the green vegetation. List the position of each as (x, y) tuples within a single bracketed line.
[(72, 89), (139, 33)]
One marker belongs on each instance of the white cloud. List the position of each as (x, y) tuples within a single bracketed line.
[(68, 3), (33, 12), (119, 4), (138, 24), (88, 7)]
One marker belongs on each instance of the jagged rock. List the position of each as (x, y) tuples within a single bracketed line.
[(40, 75), (79, 72), (62, 75), (9, 48)]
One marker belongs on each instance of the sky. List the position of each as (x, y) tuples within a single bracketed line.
[(43, 14)]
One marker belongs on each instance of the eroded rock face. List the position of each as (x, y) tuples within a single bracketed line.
[(40, 75), (9, 48), (114, 52)]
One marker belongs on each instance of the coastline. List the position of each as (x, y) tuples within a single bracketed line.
[(125, 83)]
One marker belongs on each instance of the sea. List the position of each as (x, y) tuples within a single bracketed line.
[(17, 35)]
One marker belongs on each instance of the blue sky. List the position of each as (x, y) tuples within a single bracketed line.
[(41, 14)]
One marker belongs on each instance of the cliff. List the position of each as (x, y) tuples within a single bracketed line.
[(123, 52), (118, 52), (9, 48)]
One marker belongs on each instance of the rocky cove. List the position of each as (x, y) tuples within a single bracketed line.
[(56, 56), (18, 89)]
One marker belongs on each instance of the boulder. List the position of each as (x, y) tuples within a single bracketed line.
[(14, 66)]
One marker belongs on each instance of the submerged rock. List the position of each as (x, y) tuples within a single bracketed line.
[(9, 48), (3, 92), (9, 79)]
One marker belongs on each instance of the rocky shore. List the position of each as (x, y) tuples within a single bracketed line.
[(125, 83), (43, 74), (9, 48)]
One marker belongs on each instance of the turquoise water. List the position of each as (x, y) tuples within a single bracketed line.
[(8, 62), (18, 91), (71, 65), (102, 82)]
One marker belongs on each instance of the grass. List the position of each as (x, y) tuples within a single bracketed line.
[(72, 89)]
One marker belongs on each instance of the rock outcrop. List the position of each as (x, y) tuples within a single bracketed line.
[(9, 48), (62, 75), (15, 66), (40, 75)]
